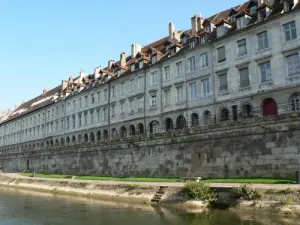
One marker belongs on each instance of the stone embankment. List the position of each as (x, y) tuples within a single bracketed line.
[(279, 199)]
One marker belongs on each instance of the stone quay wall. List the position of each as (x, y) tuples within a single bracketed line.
[(264, 147)]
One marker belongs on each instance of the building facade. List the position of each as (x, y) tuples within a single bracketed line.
[(240, 63)]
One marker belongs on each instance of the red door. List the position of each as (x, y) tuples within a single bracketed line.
[(270, 108)]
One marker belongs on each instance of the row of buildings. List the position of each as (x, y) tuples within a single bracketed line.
[(242, 62)]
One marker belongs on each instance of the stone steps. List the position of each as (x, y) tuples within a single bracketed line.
[(158, 194)]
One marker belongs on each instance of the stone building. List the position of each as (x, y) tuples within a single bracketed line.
[(242, 62)]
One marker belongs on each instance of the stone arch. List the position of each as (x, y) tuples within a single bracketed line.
[(269, 107), (42, 145), (154, 127), (141, 128), (68, 140), (73, 139), (224, 114), (105, 134), (92, 137), (195, 120), (169, 124), (246, 110), (180, 122), (123, 132), (207, 117), (56, 142), (79, 139), (114, 133), (86, 137), (51, 143), (98, 135), (47, 144), (294, 102), (131, 130), (62, 141), (37, 146)]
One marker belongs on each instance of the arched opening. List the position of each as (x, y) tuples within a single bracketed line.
[(51, 143), (56, 142), (195, 120), (141, 128), (270, 107), (114, 134), (62, 141), (154, 127), (92, 137), (29, 147), (246, 111), (86, 138), (33, 147), (42, 145), (180, 122), (79, 139), (131, 130), (224, 115), (207, 117), (73, 139), (294, 103), (37, 146), (169, 124), (123, 132), (98, 136), (105, 135), (68, 140)]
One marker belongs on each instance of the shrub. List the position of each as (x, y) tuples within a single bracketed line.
[(199, 191), (246, 192)]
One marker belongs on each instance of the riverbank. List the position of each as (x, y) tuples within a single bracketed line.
[(279, 199)]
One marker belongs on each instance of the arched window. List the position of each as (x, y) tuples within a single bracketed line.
[(114, 133), (207, 117), (92, 137), (154, 127), (246, 111), (105, 134), (73, 139), (132, 130), (269, 107), (180, 122), (123, 132), (195, 120), (79, 139), (224, 115), (56, 142), (141, 128), (62, 141), (295, 102), (68, 140), (51, 143), (169, 124), (86, 138), (98, 136)]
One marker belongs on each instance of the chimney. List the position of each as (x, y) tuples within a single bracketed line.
[(200, 22), (110, 63), (44, 91), (97, 72), (194, 23), (135, 48), (82, 74), (123, 59), (171, 31)]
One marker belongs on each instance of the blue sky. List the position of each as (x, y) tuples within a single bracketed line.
[(44, 42)]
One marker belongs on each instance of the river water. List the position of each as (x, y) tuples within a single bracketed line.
[(19, 207)]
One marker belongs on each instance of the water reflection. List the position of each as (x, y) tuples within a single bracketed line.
[(29, 208)]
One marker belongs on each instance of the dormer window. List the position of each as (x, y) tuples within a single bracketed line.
[(118, 73), (141, 64), (202, 40), (132, 67), (263, 12), (287, 5), (184, 40), (221, 31), (240, 23), (192, 43), (154, 59), (232, 19), (208, 28)]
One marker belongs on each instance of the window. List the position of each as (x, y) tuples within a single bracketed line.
[(293, 64), (73, 121), (179, 94), (113, 91), (221, 54), (192, 65), (99, 96), (193, 89), (85, 100), (132, 67), (167, 73), (290, 31), (242, 47), (295, 102), (79, 120), (140, 82), (85, 118), (223, 82), (122, 107), (265, 72), (141, 64), (244, 77), (140, 103), (192, 43), (153, 99), (105, 95), (113, 111), (202, 40), (131, 85), (92, 98), (167, 99), (98, 115), (179, 69), (154, 77), (92, 116), (104, 114), (68, 123), (154, 59), (239, 23), (123, 88), (262, 40), (221, 30), (203, 60), (205, 87), (131, 106)]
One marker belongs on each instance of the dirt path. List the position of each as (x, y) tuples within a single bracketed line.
[(170, 184)]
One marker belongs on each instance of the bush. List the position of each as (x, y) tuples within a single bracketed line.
[(199, 191), (246, 192)]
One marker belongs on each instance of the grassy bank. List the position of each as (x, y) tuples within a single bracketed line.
[(148, 179)]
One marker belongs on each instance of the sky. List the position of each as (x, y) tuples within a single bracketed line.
[(44, 42)]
